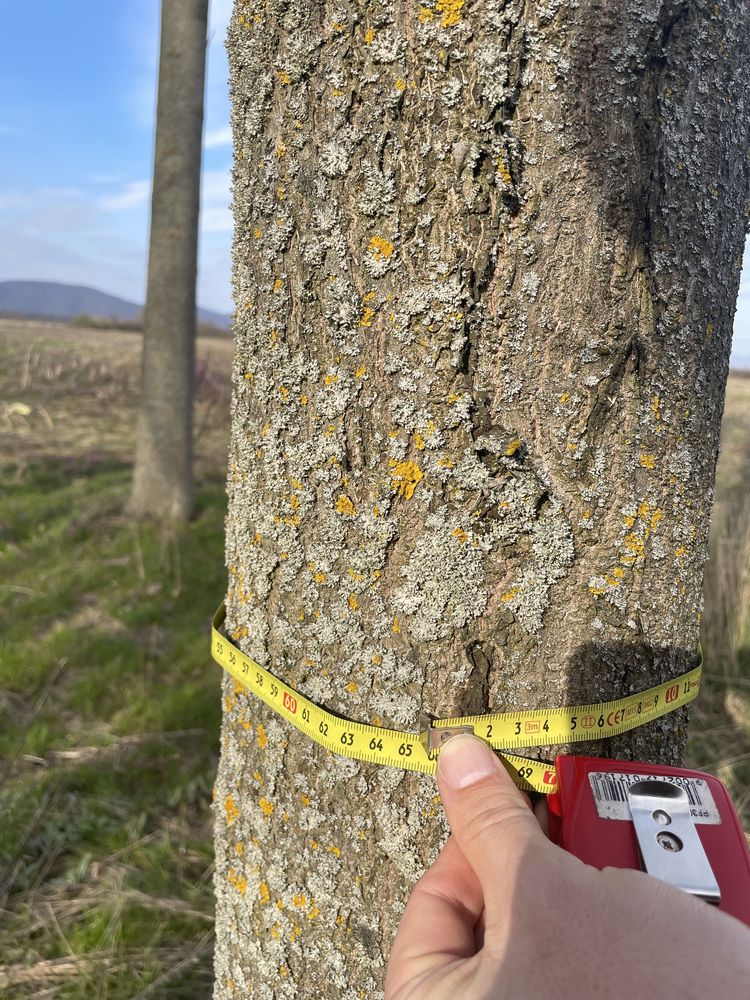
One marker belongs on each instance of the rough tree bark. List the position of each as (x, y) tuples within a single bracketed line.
[(485, 266), (163, 473)]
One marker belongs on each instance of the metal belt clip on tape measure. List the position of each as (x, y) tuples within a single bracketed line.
[(677, 825)]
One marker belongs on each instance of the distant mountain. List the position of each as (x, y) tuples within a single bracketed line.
[(52, 300)]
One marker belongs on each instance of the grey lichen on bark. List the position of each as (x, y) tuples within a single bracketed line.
[(485, 263)]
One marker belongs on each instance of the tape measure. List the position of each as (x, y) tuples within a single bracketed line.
[(503, 731)]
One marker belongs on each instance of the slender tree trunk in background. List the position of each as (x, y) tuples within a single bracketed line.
[(485, 266), (163, 475)]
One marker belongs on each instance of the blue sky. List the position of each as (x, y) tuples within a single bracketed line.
[(77, 102)]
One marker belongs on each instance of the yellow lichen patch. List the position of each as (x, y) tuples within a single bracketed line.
[(446, 463), (565, 398), (265, 895), (332, 849), (284, 77), (380, 248), (249, 376), (330, 379), (313, 912), (238, 881), (710, 328), (262, 738), (400, 84), (351, 687), (294, 501), (278, 284), (647, 460), (510, 594), (283, 392), (406, 476), (451, 11), (367, 316), (258, 777), (395, 627), (633, 544), (314, 844), (345, 505), (461, 535), (506, 178), (295, 933), (377, 659), (280, 149), (425, 14), (419, 441), (377, 721), (629, 521), (239, 848), (681, 551), (304, 399), (304, 799), (597, 591), (361, 371), (369, 36), (352, 602), (280, 192), (319, 577), (230, 810), (354, 574), (299, 900), (283, 971), (266, 806), (655, 404), (513, 447)]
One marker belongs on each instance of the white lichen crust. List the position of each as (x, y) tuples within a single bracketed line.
[(485, 261)]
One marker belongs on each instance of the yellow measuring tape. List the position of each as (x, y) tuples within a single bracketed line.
[(502, 730)]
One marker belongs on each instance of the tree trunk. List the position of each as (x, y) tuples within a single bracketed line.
[(485, 265), (163, 474)]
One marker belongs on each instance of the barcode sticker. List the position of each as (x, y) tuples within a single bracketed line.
[(610, 794)]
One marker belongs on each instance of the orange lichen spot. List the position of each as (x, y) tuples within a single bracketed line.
[(377, 659), (278, 284), (262, 737), (258, 777), (510, 594), (284, 77), (319, 577), (380, 248), (369, 36), (280, 904), (332, 849), (238, 881), (230, 810), (352, 601), (377, 721), (618, 571), (395, 627), (351, 687), (300, 900), (345, 505), (266, 806), (376, 511), (400, 84), (647, 460), (513, 447), (330, 379), (451, 11), (633, 544), (265, 895), (368, 314), (338, 26), (461, 535), (304, 799), (283, 971), (425, 14), (314, 844), (406, 477), (505, 177), (565, 398)]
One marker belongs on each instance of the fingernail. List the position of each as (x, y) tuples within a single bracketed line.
[(464, 760)]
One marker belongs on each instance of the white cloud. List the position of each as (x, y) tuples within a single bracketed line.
[(133, 193), (218, 137)]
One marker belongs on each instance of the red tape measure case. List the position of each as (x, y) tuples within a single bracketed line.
[(598, 814)]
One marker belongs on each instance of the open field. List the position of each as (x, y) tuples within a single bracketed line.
[(109, 703)]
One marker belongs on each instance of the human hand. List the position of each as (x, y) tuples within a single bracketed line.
[(504, 914)]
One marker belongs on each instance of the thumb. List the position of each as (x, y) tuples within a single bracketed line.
[(489, 817)]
